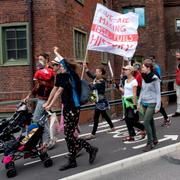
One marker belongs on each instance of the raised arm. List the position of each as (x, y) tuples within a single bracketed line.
[(90, 74), (57, 54)]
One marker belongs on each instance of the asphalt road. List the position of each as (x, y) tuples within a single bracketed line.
[(111, 149)]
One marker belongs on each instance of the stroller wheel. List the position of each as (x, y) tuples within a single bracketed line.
[(43, 156), (48, 163), (11, 172)]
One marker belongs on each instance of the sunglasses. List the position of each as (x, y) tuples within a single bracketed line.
[(54, 65)]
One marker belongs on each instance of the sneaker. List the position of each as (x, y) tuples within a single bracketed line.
[(176, 114), (128, 138), (51, 144), (91, 136), (148, 147), (155, 142), (143, 134), (122, 119), (111, 130), (168, 122), (164, 123), (92, 154)]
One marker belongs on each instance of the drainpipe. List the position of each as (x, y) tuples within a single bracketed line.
[(30, 20)]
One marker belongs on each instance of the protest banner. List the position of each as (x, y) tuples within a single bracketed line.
[(114, 32)]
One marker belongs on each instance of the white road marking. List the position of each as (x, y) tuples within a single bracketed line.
[(52, 157), (166, 137), (100, 131)]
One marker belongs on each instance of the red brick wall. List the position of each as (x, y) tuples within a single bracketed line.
[(52, 25), (14, 79)]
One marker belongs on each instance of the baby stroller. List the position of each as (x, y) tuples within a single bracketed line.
[(28, 146), (14, 124)]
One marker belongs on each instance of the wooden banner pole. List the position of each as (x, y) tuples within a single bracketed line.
[(85, 59)]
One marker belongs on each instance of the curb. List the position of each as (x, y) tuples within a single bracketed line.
[(119, 165)]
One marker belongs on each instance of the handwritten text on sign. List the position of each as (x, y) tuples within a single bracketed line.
[(114, 32)]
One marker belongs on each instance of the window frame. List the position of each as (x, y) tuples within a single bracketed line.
[(133, 10), (138, 58), (74, 44), (176, 30), (80, 2), (3, 60), (104, 58)]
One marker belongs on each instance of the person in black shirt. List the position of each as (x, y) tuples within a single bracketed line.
[(68, 86), (98, 87)]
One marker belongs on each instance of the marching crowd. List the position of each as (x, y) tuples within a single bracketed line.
[(140, 88)]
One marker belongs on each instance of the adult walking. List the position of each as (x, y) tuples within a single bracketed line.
[(177, 85), (130, 104), (98, 86), (44, 82), (68, 86), (150, 99)]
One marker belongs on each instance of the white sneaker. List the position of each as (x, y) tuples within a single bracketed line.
[(51, 143)]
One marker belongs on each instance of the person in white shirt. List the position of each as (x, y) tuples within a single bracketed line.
[(129, 102)]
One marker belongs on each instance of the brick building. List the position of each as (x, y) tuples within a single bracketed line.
[(159, 29), (35, 26)]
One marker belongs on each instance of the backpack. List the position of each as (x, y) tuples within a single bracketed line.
[(85, 92)]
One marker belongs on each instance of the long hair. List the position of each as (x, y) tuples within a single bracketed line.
[(103, 72), (73, 64)]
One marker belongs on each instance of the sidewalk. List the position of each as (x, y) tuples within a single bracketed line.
[(96, 173)]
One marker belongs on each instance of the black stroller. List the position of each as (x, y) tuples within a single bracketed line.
[(29, 146)]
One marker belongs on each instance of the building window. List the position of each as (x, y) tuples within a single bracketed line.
[(138, 59), (104, 58), (140, 11), (80, 1), (14, 47), (177, 25), (79, 44)]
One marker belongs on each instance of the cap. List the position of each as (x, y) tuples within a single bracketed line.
[(129, 67), (56, 60)]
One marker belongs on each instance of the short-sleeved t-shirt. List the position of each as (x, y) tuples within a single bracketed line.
[(62, 80), (128, 87), (45, 74)]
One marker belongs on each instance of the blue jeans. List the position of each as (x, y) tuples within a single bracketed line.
[(38, 113)]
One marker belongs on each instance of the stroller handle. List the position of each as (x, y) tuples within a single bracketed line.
[(44, 117)]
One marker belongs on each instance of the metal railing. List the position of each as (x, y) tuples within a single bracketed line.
[(88, 106)]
